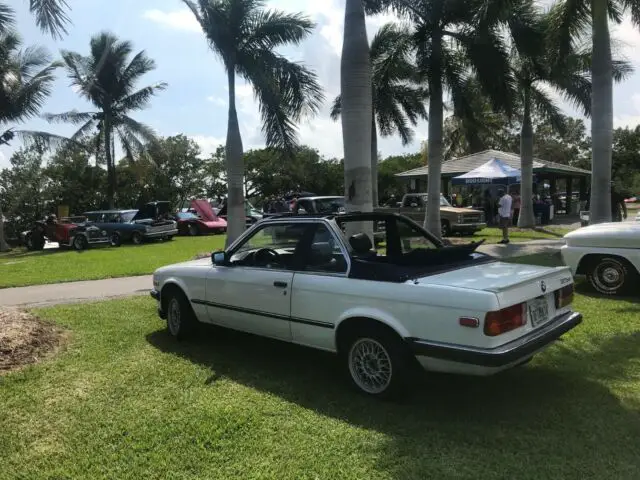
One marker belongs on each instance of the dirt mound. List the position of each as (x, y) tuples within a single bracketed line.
[(25, 339)]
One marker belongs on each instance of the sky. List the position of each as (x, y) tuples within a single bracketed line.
[(195, 102)]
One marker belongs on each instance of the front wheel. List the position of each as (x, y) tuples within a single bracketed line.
[(180, 317), (80, 243), (378, 364), (611, 276), (193, 229), (116, 240), (445, 229)]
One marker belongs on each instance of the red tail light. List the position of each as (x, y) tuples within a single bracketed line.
[(564, 296), (497, 323)]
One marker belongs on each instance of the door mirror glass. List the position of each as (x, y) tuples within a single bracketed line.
[(219, 258)]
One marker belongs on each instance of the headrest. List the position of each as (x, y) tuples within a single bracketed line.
[(360, 242)]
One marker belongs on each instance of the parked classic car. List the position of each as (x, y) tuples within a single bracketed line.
[(453, 219), (449, 308), (326, 204), (200, 218), (252, 215), (608, 254), (152, 221), (67, 231)]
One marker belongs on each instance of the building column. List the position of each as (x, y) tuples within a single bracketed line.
[(569, 193), (582, 188)]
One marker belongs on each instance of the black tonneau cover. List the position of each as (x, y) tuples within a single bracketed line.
[(418, 263)]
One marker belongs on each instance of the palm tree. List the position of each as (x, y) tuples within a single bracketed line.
[(569, 20), (245, 36), (26, 78), (397, 99), (107, 78), (457, 40), (50, 15)]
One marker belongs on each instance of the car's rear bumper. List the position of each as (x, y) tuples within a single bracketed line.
[(508, 354)]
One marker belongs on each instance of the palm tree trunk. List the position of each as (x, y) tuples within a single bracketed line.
[(111, 168), (434, 142), (236, 221), (374, 161), (601, 114), (357, 111), (4, 246), (526, 218)]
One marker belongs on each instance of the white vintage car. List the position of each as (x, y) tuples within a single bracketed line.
[(302, 279), (608, 254)]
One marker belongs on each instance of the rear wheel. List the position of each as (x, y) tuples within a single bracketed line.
[(193, 229), (80, 243), (445, 229), (34, 241), (136, 238), (377, 362), (181, 320), (611, 275)]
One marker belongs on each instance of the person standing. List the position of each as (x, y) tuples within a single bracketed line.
[(504, 212), (618, 207)]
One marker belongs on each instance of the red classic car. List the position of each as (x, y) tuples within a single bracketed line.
[(199, 219), (68, 232)]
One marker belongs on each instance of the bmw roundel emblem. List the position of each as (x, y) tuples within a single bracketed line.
[(543, 286)]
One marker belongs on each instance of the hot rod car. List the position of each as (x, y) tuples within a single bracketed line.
[(200, 218), (68, 232)]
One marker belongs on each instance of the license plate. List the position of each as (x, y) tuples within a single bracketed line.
[(538, 310)]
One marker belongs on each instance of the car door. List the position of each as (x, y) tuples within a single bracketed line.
[(252, 293)]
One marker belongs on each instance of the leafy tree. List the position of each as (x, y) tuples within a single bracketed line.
[(245, 37), (107, 77), (389, 167), (626, 160), (570, 20), (398, 101)]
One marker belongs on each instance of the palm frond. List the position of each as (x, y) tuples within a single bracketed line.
[(270, 29), (133, 127), (139, 100), (7, 18), (336, 108), (84, 131), (25, 95), (568, 21), (140, 65), (546, 108), (43, 140), (633, 7), (51, 16), (74, 117)]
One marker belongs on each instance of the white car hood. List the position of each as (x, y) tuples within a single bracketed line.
[(493, 277), (606, 235)]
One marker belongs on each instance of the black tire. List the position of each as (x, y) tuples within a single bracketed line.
[(136, 238), (445, 229), (116, 239), (169, 238), (193, 230), (181, 321), (362, 346), (611, 275), (80, 243)]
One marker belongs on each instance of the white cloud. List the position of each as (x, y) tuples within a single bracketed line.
[(207, 144), (181, 19), (217, 100), (629, 120), (628, 38)]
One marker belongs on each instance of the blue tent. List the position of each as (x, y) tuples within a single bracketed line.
[(494, 172)]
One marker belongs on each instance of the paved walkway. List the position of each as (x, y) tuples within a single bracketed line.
[(92, 290), (72, 292)]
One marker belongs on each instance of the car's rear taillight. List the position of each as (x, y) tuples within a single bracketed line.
[(496, 323), (564, 296)]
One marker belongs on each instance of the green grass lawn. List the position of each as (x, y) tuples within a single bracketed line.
[(20, 267), (126, 401), (494, 235)]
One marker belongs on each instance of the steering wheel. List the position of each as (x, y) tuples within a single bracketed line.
[(266, 256)]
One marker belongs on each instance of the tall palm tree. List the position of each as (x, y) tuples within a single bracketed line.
[(107, 78), (51, 16), (26, 78), (397, 99), (570, 21), (457, 40), (245, 37)]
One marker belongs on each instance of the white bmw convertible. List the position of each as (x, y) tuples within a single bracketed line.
[(414, 301)]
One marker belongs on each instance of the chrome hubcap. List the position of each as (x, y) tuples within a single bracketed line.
[(173, 316), (370, 365), (609, 276)]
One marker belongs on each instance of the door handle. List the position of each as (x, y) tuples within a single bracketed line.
[(280, 284)]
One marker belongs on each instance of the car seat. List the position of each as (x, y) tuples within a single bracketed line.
[(362, 246)]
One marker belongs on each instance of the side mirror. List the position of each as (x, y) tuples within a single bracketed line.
[(219, 258)]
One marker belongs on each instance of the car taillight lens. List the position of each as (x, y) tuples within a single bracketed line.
[(497, 323), (564, 296)]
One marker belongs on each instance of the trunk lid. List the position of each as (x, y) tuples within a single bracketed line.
[(512, 283)]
